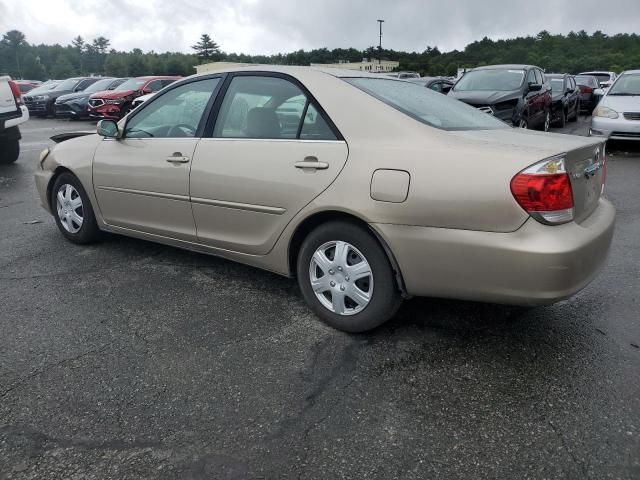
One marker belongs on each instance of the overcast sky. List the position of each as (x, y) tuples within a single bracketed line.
[(272, 26)]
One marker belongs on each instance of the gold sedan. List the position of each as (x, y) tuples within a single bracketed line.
[(368, 189)]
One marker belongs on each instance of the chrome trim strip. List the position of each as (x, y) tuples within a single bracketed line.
[(275, 140), (168, 196), (239, 206)]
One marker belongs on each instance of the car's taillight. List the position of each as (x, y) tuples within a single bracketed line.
[(17, 95), (586, 89), (544, 191)]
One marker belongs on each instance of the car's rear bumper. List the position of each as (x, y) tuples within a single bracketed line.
[(535, 265), (10, 121), (615, 129)]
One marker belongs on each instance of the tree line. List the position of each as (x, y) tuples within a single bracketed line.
[(572, 53)]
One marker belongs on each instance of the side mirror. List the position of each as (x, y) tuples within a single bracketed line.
[(569, 90), (598, 92), (108, 129), (535, 87)]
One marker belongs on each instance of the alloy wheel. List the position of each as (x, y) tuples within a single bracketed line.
[(69, 207), (547, 121), (523, 124), (341, 278)]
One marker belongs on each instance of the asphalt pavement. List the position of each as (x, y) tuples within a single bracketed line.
[(131, 360)]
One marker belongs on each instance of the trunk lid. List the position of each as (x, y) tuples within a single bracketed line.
[(584, 159)]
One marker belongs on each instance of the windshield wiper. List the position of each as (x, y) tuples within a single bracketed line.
[(624, 94), (133, 130)]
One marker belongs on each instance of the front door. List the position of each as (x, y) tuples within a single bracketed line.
[(141, 180), (272, 151)]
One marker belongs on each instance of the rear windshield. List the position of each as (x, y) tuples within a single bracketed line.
[(557, 85), (427, 106), (491, 79), (68, 84), (586, 80), (602, 77)]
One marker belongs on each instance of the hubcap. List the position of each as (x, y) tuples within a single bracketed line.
[(523, 124), (69, 206), (341, 278)]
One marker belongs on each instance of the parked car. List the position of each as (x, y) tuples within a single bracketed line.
[(42, 104), (437, 84), (605, 79), (403, 75), (617, 116), (76, 105), (116, 104), (516, 94), (588, 85), (565, 98), (383, 203), (12, 113), (27, 85), (140, 100)]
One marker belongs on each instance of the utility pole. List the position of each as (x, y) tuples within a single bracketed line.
[(380, 45)]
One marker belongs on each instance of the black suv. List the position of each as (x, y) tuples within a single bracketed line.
[(516, 94), (42, 104), (565, 98)]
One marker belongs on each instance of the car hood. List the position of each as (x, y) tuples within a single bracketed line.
[(622, 104), (113, 94), (477, 97), (72, 96)]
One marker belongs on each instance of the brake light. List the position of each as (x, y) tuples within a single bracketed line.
[(17, 94), (544, 191), (586, 89)]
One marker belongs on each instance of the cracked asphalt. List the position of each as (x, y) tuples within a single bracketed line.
[(130, 360)]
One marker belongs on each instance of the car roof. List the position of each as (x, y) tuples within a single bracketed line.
[(635, 72), (505, 66), (556, 75), (591, 72)]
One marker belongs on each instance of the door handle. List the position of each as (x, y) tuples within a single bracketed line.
[(312, 163), (177, 157)]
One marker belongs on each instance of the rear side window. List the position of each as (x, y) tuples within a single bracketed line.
[(261, 107), (425, 105)]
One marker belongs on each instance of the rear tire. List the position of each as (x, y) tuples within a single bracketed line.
[(361, 273), (574, 118), (72, 210), (9, 151)]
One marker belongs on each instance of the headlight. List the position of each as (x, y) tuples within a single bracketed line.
[(114, 102), (41, 98), (606, 112)]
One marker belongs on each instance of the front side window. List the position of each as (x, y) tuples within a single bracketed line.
[(436, 86), (177, 113), (531, 77), (269, 108), (427, 106), (539, 77), (154, 86), (490, 79)]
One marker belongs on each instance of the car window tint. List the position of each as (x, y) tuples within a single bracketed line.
[(154, 86), (436, 86), (315, 127), (176, 113), (260, 107), (166, 82)]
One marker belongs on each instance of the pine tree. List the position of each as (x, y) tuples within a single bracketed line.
[(206, 49)]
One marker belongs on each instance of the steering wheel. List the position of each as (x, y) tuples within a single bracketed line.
[(181, 130)]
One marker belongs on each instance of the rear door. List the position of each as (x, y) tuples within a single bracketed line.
[(271, 152), (533, 99), (141, 181)]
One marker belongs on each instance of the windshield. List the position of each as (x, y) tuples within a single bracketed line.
[(557, 85), (131, 84), (43, 88), (491, 79), (427, 106), (627, 84), (68, 84), (99, 86), (586, 80)]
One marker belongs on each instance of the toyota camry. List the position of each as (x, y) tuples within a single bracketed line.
[(366, 188)]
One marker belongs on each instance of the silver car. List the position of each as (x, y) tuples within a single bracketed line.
[(617, 116)]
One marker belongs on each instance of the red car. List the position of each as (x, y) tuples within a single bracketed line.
[(115, 104)]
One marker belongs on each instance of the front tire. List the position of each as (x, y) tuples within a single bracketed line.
[(9, 151), (346, 278), (72, 210)]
